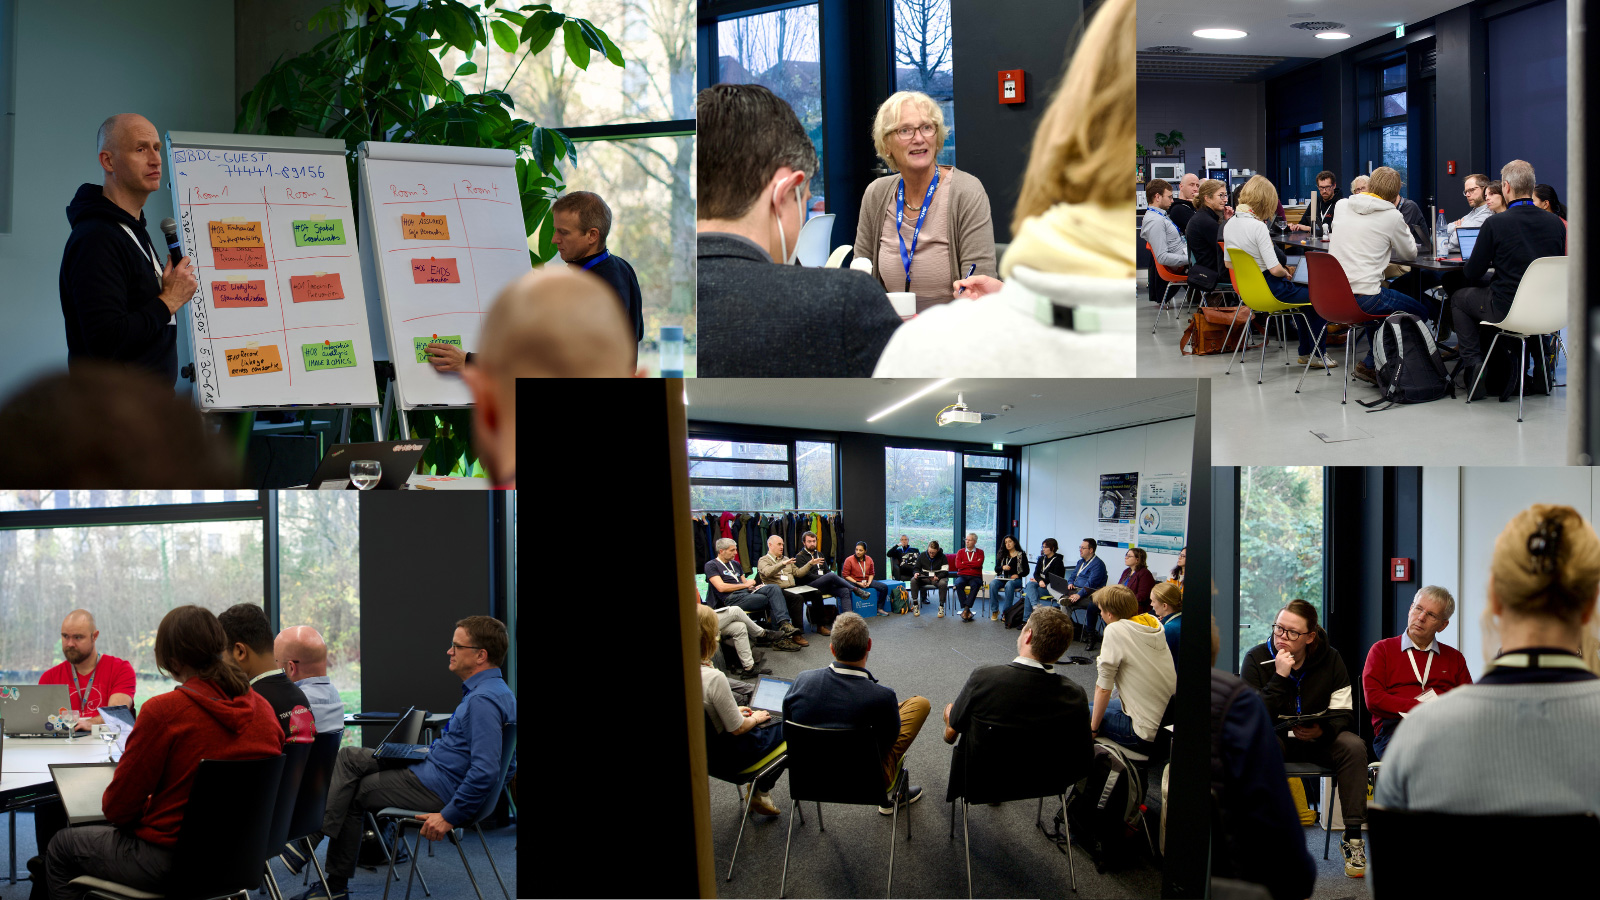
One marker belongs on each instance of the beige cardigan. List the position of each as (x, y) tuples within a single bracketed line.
[(971, 229)]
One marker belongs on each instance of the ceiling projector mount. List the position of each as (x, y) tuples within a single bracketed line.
[(958, 414)]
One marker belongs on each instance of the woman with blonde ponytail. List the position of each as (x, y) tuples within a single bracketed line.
[(1537, 707)]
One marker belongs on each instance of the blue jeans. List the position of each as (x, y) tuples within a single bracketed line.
[(882, 590), (1287, 291), (1385, 301), (1034, 595), (730, 753), (1004, 589), (1380, 741), (967, 589), (767, 596), (1118, 726)]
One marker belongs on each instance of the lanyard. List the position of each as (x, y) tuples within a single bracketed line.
[(727, 569), (604, 255), (1422, 677), (83, 695), (1523, 202), (900, 215)]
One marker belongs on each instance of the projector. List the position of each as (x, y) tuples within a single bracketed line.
[(959, 417)]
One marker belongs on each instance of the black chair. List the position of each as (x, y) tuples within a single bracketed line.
[(223, 838), (747, 775), (294, 767), (1408, 873), (407, 818), (839, 765), (312, 799), (408, 732), (978, 777), (1305, 771)]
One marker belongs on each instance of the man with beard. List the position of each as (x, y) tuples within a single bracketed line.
[(93, 679)]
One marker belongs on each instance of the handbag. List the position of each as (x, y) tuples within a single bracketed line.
[(1208, 330), (1202, 277)]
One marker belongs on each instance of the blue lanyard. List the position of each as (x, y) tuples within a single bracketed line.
[(899, 218), (1523, 202), (604, 255), (83, 696)]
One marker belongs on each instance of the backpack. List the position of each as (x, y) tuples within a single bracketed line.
[(1407, 361), (1107, 809), (897, 600), (1013, 615)]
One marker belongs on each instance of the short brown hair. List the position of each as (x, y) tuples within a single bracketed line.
[(490, 634), (190, 638), (1117, 600), (745, 133), (1302, 609), (1052, 633), (1154, 188), (1494, 187), (1210, 186), (1325, 175), (1140, 558), (592, 211), (1483, 180), (850, 638), (710, 630), (1261, 196), (1170, 593), (1385, 182)]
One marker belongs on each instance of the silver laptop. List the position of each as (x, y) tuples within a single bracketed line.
[(82, 787), (770, 693), (1468, 238), (26, 708)]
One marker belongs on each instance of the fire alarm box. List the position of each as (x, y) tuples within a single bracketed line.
[(1011, 86), (1450, 167), (1399, 570)]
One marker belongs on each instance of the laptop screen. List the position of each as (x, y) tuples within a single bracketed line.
[(82, 786), (1468, 238), (770, 693)]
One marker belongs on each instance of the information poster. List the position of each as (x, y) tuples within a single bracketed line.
[(1119, 495), (1164, 512)]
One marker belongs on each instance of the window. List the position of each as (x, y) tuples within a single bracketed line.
[(814, 475), (922, 60), (970, 461), (780, 50), (1280, 546), (1388, 126), (983, 498), (919, 489), (319, 582), (763, 476), (14, 501)]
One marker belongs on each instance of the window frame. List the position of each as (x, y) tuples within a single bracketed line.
[(1377, 122), (792, 482)]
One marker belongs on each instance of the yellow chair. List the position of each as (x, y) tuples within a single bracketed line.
[(1254, 292)]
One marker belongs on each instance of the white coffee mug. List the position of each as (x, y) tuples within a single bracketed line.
[(905, 303)]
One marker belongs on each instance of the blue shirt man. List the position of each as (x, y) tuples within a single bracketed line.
[(303, 655), (1089, 575), (464, 763)]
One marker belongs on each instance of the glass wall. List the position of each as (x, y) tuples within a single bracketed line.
[(923, 60), (983, 498), (319, 582), (1280, 545), (920, 498), (780, 50)]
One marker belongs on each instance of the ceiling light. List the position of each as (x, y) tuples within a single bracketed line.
[(1219, 34), (1333, 36), (917, 396)]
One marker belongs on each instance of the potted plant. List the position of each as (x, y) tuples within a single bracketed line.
[(1169, 141)]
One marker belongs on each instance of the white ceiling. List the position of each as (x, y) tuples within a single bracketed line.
[(1045, 409), (1173, 22)]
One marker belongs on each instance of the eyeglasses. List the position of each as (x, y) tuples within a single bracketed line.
[(1470, 191), (925, 129), (1283, 632), (456, 646), (1427, 615)]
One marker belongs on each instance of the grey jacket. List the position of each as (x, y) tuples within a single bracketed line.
[(971, 228), (1159, 231), (757, 319)]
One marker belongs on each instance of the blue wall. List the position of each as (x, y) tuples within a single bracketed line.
[(1528, 91)]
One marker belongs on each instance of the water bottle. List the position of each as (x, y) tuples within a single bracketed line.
[(1441, 235), (671, 351)]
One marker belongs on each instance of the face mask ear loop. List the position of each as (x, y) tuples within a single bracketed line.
[(777, 213)]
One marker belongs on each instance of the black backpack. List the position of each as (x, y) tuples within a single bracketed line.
[(1107, 810), (1013, 615), (1407, 361)]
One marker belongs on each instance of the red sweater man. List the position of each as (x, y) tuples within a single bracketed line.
[(1412, 668), (967, 562)]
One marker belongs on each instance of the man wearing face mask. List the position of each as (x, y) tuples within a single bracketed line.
[(754, 318)]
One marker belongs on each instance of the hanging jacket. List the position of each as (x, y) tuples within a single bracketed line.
[(741, 544), (836, 530), (701, 556)]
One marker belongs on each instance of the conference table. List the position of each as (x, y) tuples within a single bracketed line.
[(25, 775), (1423, 260)]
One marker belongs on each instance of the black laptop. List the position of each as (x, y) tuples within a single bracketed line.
[(398, 459), (389, 750)]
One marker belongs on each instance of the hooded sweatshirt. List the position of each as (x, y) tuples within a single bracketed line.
[(111, 287), (1367, 231), (1135, 660), (176, 730), (1321, 684)]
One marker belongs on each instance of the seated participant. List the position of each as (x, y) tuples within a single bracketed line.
[(739, 741), (249, 638), (1328, 201), (1037, 590), (967, 563), (1177, 571), (1027, 693), (1476, 190), (903, 557), (1298, 674), (304, 657), (811, 570), (1159, 230), (1010, 571), (1166, 601), (452, 783), (1494, 197), (1415, 222), (859, 570), (758, 319), (1545, 197), (1507, 243), (1089, 576), (93, 679), (1368, 232), (1204, 228), (1406, 671), (845, 695), (1183, 208), (780, 571), (1515, 743), (726, 579), (212, 714), (1248, 232), (925, 225), (1136, 576), (1136, 663), (929, 563)]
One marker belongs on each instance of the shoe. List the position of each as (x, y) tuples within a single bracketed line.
[(862, 593), (756, 670), (293, 858), (966, 615), (912, 796), (798, 638), (941, 612), (317, 893), (1448, 353), (1317, 361), (786, 646), (994, 616), (1464, 376), (1364, 373), (824, 630), (1355, 857), (761, 805), (788, 629), (882, 614), (916, 610)]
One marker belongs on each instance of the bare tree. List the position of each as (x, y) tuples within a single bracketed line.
[(922, 40)]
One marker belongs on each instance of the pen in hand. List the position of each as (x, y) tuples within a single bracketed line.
[(973, 267)]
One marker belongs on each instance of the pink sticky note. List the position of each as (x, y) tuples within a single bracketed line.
[(240, 257), (435, 271), (316, 287), (238, 294)]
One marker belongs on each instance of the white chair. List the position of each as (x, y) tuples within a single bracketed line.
[(816, 236), (1539, 308), (836, 258)]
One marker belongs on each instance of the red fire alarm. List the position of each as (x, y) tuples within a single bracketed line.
[(1399, 570), (1450, 167), (1011, 86)]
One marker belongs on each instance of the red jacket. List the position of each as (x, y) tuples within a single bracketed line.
[(1140, 583), (853, 568), (1392, 688), (174, 732), (110, 676), (967, 562)]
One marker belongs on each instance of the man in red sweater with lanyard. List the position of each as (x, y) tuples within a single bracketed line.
[(93, 679), (967, 563), (1412, 668)]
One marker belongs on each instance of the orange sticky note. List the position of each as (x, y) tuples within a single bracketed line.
[(316, 287), (238, 294), (424, 228), (240, 257), (235, 234), (435, 271), (254, 360)]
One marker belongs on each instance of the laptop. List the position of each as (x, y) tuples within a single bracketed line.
[(26, 709), (82, 787), (388, 750), (1302, 272), (397, 459), (769, 696), (1468, 238)]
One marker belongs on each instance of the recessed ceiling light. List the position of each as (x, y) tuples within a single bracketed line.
[(1219, 33), (1333, 36)]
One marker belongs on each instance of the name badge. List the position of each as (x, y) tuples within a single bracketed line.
[(783, 578), (1427, 695)]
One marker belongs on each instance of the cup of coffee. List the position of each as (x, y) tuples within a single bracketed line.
[(905, 303)]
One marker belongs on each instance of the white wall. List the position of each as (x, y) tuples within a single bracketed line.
[(1061, 485), (76, 64), (1469, 507)]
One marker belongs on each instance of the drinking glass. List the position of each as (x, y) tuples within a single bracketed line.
[(108, 733), (70, 719), (365, 473)]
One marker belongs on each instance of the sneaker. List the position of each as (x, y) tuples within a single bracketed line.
[(317, 893), (1319, 362), (786, 646), (994, 616), (762, 805), (916, 610), (941, 612), (913, 796), (756, 670), (860, 592), (293, 858), (788, 629), (883, 614), (1365, 373), (1355, 857)]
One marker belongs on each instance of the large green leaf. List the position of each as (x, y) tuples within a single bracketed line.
[(612, 53), (504, 36), (577, 50), (467, 68), (591, 35)]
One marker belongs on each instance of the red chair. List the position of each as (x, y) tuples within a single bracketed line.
[(1333, 300), (1171, 278)]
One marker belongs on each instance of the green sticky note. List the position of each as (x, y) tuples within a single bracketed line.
[(317, 233), (422, 342), (329, 355)]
